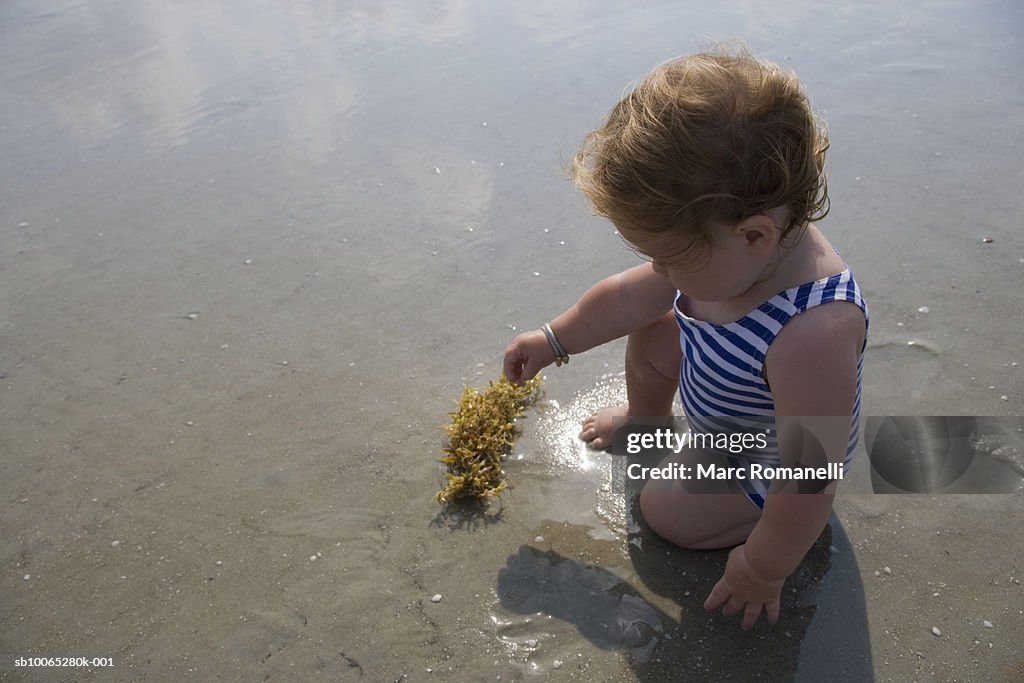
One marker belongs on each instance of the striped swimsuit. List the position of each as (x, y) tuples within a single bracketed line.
[(721, 377)]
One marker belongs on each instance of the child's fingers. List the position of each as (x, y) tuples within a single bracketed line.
[(511, 372), (515, 376), (733, 607), (524, 357), (772, 610), (719, 594), (750, 614), (513, 365)]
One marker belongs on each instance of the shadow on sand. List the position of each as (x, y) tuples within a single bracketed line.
[(822, 633)]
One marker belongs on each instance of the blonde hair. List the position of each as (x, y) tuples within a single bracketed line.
[(705, 140)]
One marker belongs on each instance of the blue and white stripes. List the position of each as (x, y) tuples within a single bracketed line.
[(722, 372)]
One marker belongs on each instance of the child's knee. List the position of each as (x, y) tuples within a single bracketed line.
[(656, 348)]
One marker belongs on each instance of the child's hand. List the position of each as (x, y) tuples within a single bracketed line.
[(527, 355), (742, 588)]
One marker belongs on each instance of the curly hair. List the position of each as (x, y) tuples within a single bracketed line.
[(705, 140)]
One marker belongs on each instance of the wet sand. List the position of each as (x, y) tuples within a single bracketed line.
[(250, 254)]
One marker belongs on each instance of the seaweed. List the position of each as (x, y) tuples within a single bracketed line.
[(481, 433)]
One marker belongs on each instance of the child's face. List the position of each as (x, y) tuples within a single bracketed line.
[(724, 270)]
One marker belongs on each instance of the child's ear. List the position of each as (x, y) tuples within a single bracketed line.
[(760, 233)]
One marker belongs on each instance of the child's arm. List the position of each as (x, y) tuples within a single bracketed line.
[(612, 308), (812, 369)]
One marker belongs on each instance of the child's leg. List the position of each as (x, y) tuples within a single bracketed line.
[(695, 520), (652, 378), (699, 521)]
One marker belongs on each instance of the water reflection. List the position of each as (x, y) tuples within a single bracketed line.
[(152, 70)]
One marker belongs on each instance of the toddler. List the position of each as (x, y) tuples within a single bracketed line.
[(712, 168)]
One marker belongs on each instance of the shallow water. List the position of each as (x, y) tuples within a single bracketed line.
[(250, 252)]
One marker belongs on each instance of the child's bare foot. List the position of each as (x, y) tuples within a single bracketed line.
[(599, 429)]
